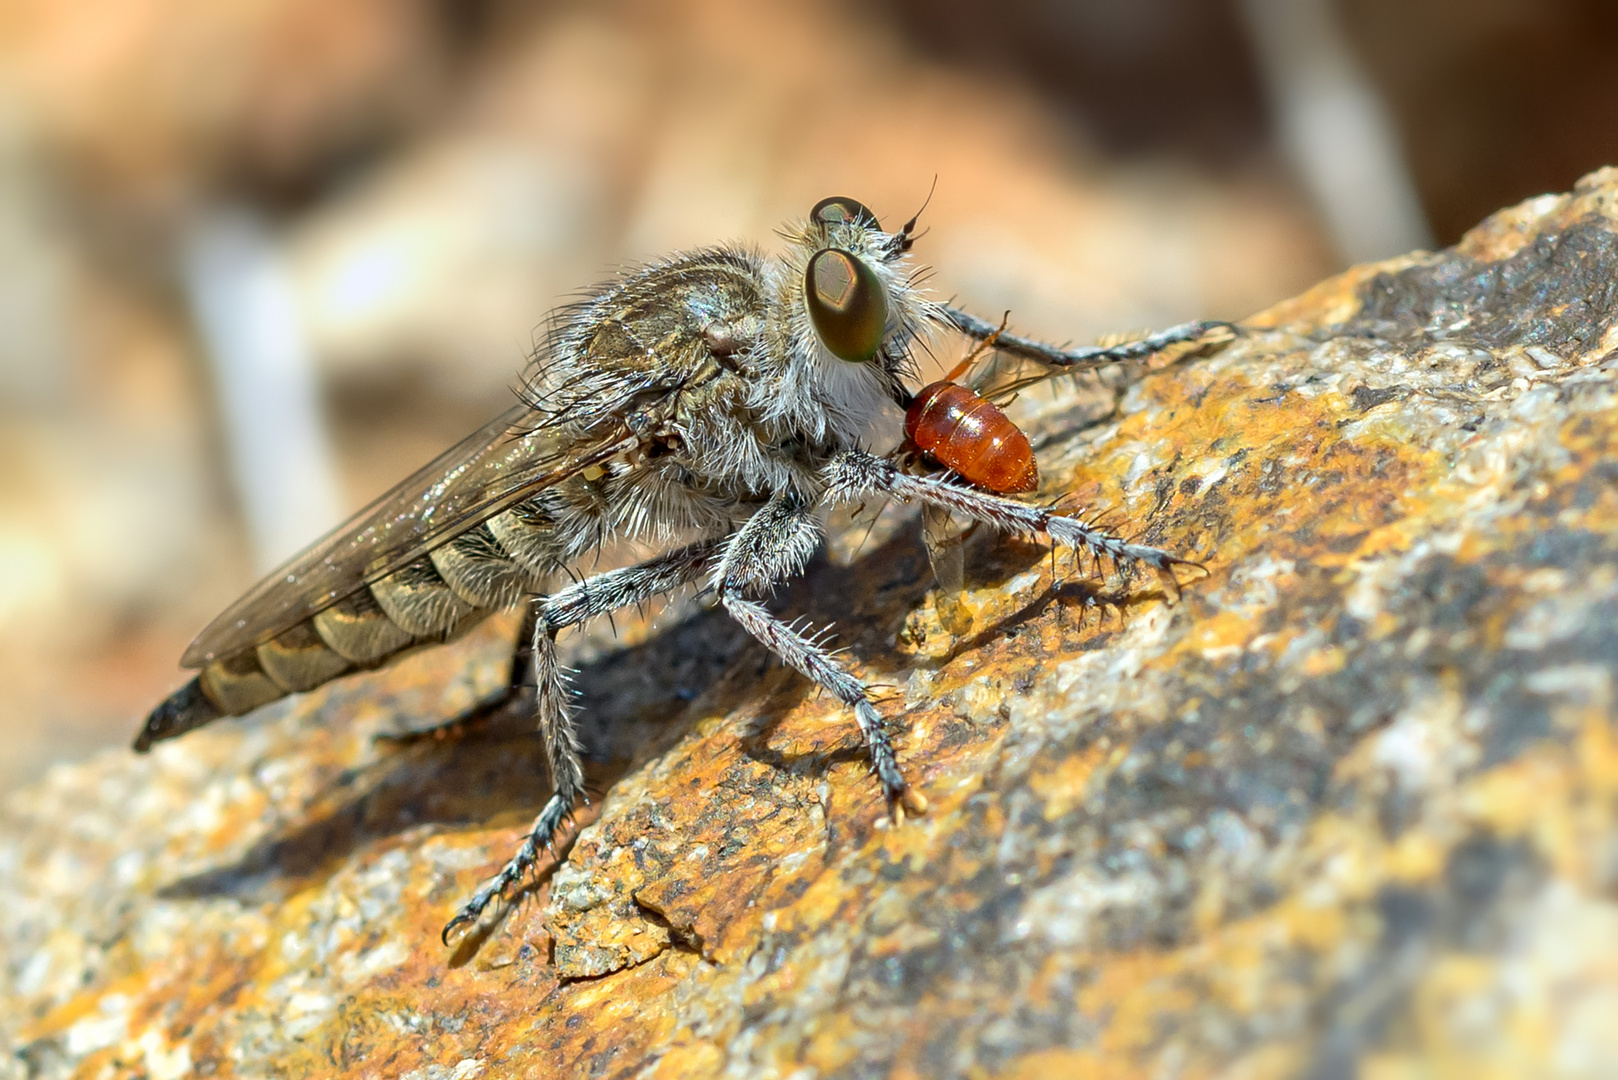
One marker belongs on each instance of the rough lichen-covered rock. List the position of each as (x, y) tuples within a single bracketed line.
[(1352, 804)]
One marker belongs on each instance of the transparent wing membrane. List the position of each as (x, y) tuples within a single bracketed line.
[(507, 460), (943, 537)]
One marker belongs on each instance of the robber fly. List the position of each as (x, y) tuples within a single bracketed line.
[(708, 403)]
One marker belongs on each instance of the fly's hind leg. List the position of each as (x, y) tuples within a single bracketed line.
[(773, 545), (562, 758), (548, 615)]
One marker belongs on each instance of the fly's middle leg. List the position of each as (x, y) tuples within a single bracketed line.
[(772, 546), (546, 617)]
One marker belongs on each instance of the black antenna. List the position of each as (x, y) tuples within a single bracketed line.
[(910, 226)]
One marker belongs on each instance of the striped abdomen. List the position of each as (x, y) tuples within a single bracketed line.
[(430, 601), (963, 432)]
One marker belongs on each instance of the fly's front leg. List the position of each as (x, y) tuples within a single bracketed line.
[(854, 474), (773, 545), (547, 616), (1083, 359)]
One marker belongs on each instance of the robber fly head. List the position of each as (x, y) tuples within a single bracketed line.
[(849, 309), (857, 293), (845, 296)]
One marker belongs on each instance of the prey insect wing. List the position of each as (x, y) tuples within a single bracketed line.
[(944, 540), (505, 461)]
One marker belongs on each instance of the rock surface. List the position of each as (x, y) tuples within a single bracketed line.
[(1351, 807)]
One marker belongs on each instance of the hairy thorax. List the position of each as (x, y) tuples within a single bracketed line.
[(695, 354)]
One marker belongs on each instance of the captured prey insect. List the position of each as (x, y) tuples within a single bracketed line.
[(965, 432), (959, 426), (707, 403), (952, 426)]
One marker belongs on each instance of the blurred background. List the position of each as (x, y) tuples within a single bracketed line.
[(261, 258)]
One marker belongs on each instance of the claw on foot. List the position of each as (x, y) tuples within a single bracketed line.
[(1170, 583), (1170, 580), (474, 913), (908, 801), (461, 919)]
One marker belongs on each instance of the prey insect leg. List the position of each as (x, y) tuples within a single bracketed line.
[(855, 473), (773, 545), (1081, 359), (547, 616)]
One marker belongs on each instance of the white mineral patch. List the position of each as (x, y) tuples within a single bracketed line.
[(1555, 618), (108, 1025), (361, 967), (162, 1061), (1423, 746), (306, 1011), (1064, 912), (1586, 684), (465, 1069)]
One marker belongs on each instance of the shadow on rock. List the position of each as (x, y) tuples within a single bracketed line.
[(633, 706)]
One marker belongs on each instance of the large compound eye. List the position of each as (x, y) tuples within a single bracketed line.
[(840, 210), (846, 304)]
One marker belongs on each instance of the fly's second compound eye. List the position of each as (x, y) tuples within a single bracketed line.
[(840, 209), (847, 305)]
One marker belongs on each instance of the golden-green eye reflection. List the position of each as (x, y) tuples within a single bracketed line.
[(839, 209), (846, 303)]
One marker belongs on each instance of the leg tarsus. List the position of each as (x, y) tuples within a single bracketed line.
[(562, 755), (542, 834), (855, 473), (772, 545)]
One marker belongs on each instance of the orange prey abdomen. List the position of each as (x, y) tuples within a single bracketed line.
[(963, 432)]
